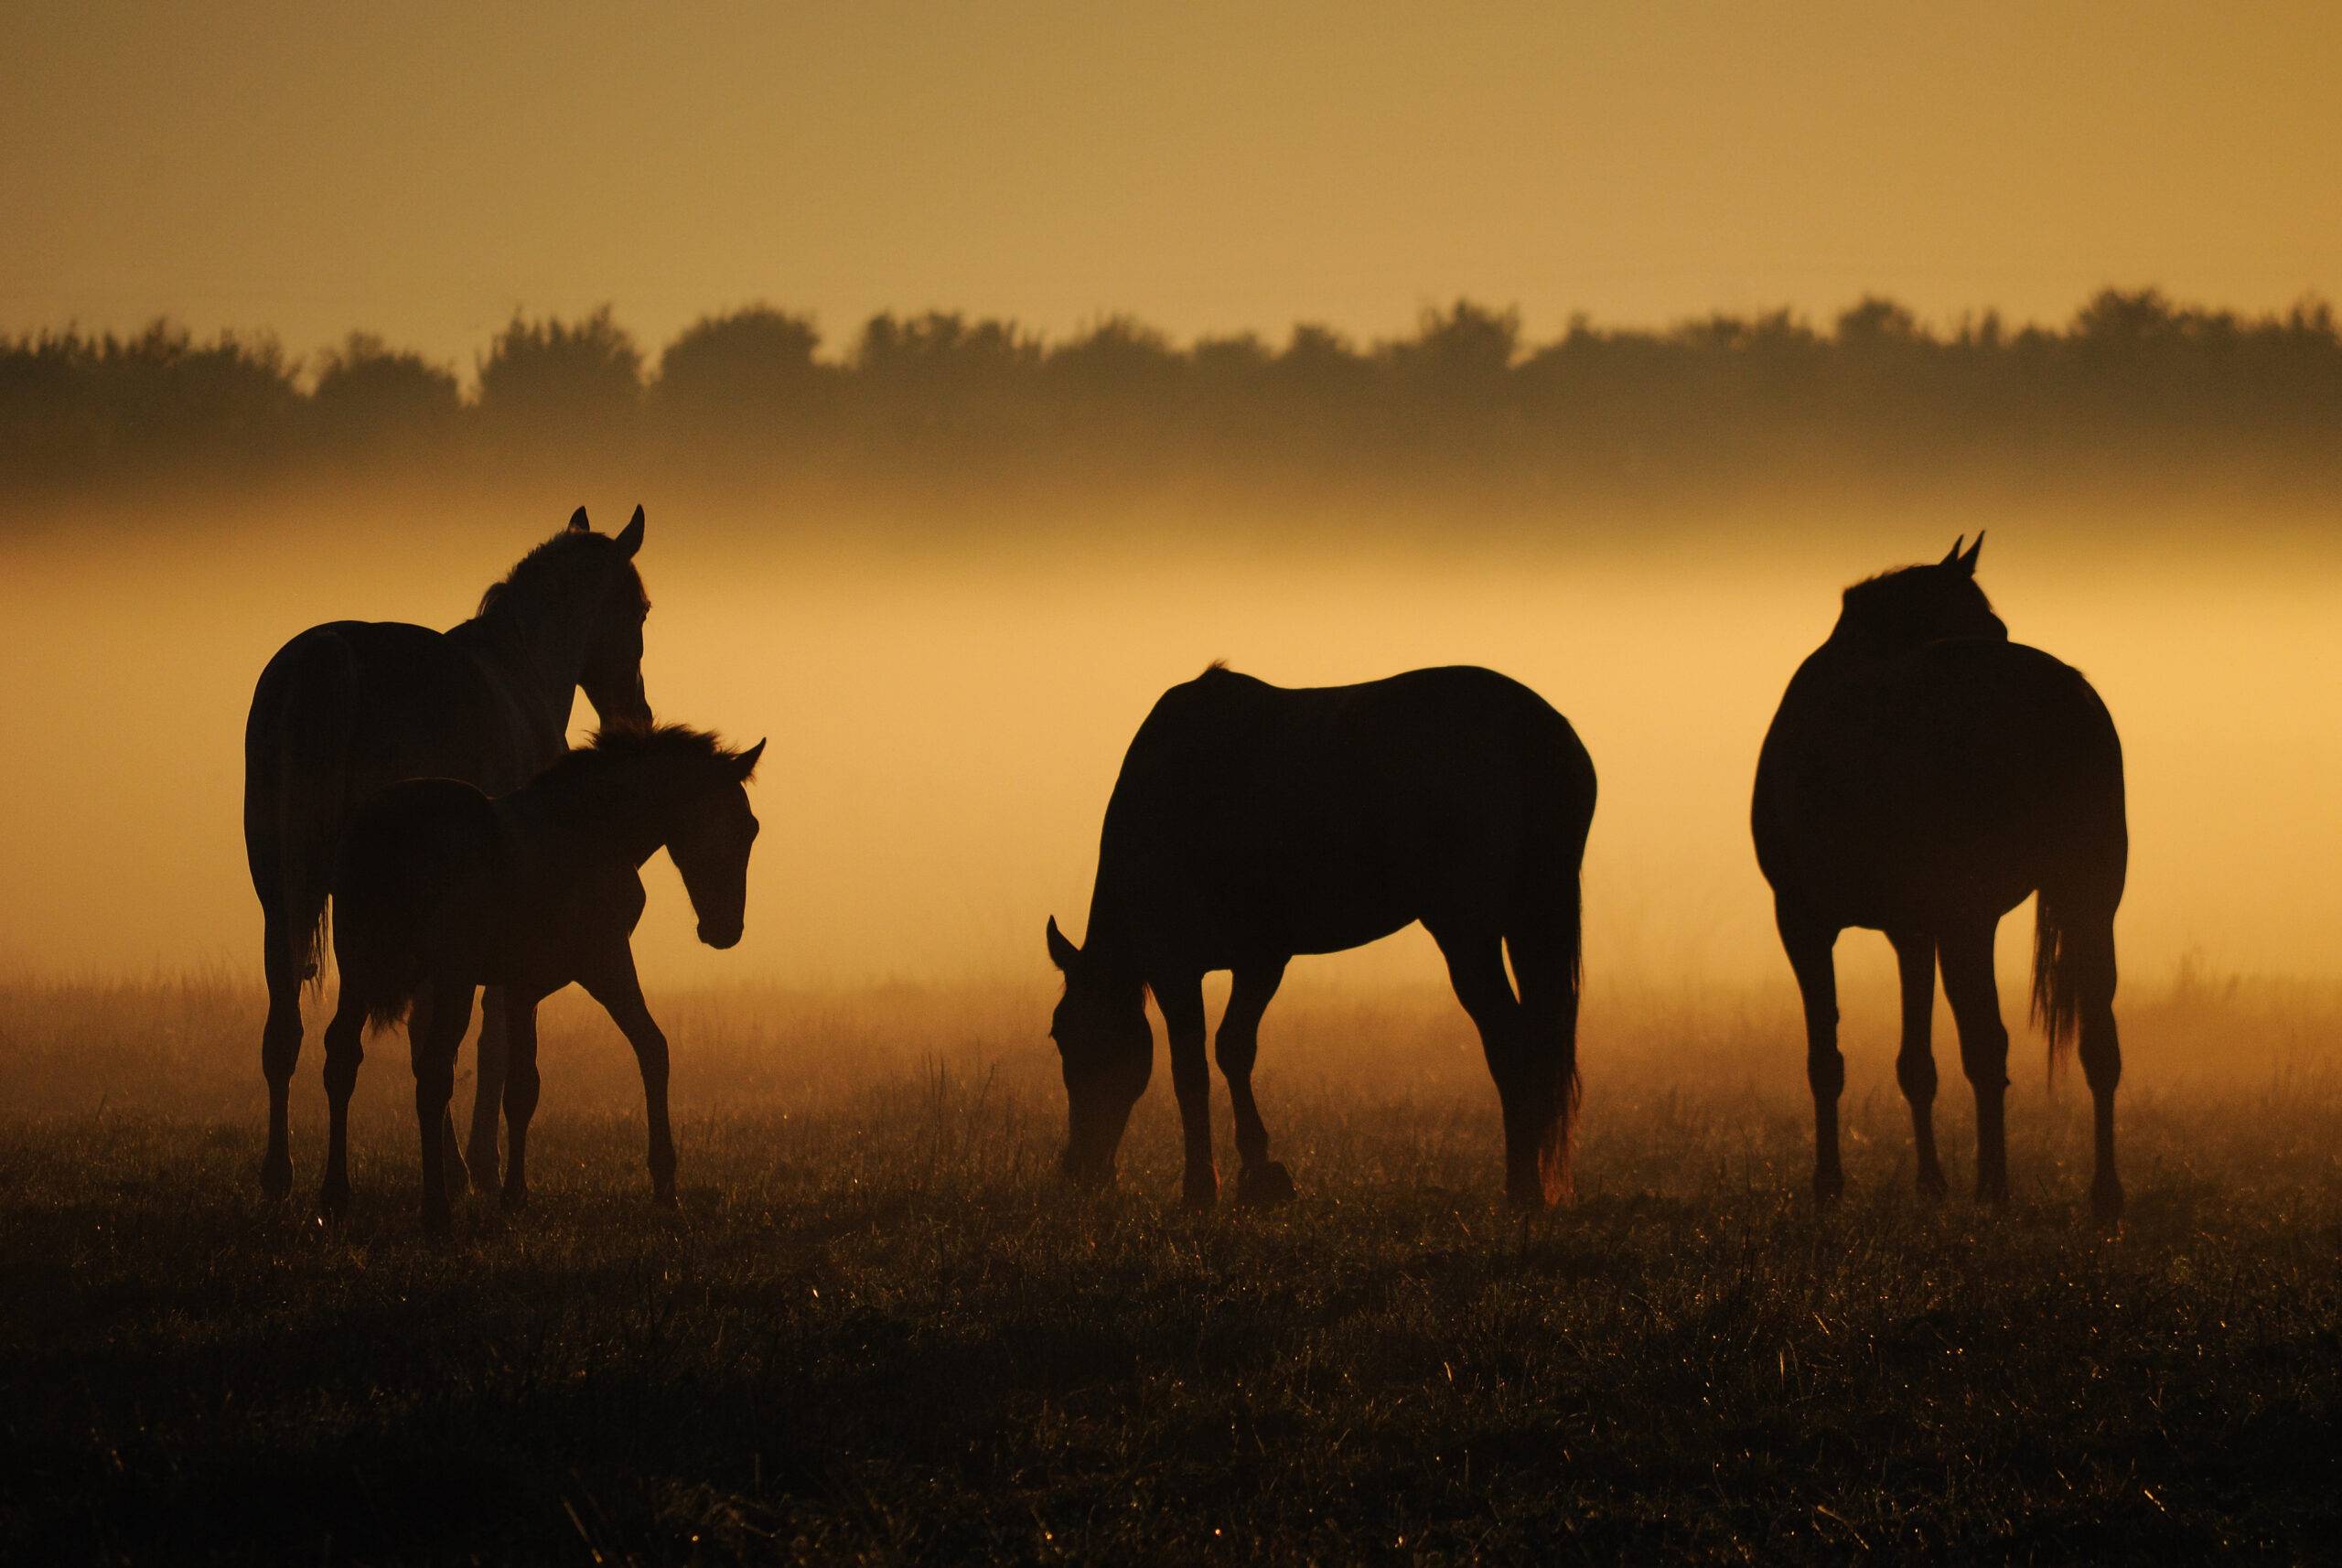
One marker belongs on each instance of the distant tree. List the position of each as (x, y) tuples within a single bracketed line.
[(750, 371), (367, 391), (1465, 351), (554, 378)]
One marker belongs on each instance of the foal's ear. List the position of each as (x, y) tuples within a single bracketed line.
[(1063, 953), (630, 536), (577, 523), (745, 763), (1968, 560), (1952, 556)]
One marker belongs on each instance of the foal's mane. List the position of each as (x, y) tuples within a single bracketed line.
[(537, 571), (614, 744)]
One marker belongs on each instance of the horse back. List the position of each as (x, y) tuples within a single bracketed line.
[(1327, 816), (1968, 771)]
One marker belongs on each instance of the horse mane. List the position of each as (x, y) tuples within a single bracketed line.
[(1878, 609), (533, 571)]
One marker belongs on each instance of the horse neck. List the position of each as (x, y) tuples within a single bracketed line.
[(1111, 941), (536, 647), (614, 810)]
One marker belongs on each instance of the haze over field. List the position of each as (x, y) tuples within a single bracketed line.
[(947, 714)]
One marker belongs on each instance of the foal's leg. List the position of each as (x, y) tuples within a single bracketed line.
[(1475, 968), (488, 1082), (344, 1050), (1259, 1179), (280, 1052), (1182, 1001), (432, 1039), (1967, 984), (612, 982), (520, 1089), (1809, 943), (1915, 1064)]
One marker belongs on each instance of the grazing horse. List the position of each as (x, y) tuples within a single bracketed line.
[(350, 706), (1923, 776), (441, 889), (1251, 824)]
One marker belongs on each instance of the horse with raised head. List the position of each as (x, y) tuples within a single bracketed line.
[(1923, 777), (1252, 823), (350, 706), (441, 889)]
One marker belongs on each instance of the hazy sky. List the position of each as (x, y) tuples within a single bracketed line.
[(422, 170)]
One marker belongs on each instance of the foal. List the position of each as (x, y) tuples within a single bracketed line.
[(441, 890)]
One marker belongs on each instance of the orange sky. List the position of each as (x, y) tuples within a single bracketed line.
[(423, 169)]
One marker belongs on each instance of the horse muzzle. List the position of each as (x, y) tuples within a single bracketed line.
[(719, 937)]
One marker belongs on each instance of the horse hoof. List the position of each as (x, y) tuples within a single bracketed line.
[(514, 1200), (2106, 1203), (1266, 1183), (1828, 1188), (1933, 1187), (333, 1200), (1201, 1192), (276, 1178)]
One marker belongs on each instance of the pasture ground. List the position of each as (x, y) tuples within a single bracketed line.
[(877, 1330)]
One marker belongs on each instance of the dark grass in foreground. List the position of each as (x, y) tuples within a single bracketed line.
[(877, 1329)]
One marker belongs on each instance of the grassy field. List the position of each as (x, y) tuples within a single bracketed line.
[(878, 1330)]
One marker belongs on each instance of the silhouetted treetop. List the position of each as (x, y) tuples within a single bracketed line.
[(2133, 379)]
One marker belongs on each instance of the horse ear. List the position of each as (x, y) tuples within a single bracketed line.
[(1063, 953), (745, 763), (1952, 556), (1968, 560), (630, 536), (577, 523)]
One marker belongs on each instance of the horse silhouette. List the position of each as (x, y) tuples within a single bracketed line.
[(440, 889), (1923, 776), (350, 706), (1251, 824)]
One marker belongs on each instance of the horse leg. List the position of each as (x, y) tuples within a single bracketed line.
[(2101, 1053), (1915, 1064), (434, 1036), (614, 985), (1967, 984), (345, 1048), (1809, 943), (280, 1052), (1475, 968), (1182, 1001), (519, 1091), (489, 1056), (1259, 1178)]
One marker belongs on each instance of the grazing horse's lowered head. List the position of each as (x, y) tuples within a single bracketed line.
[(1107, 1050), (1897, 611), (579, 597)]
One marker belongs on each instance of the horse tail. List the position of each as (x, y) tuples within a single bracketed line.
[(2073, 919), (1545, 935), (296, 756)]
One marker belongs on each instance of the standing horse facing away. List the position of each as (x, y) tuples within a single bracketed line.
[(350, 706), (441, 889), (1923, 776), (1251, 824)]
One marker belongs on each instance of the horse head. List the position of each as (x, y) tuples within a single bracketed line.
[(611, 674), (1106, 1049), (1897, 611), (710, 846)]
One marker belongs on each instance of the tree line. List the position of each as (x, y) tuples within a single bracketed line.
[(2133, 379)]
